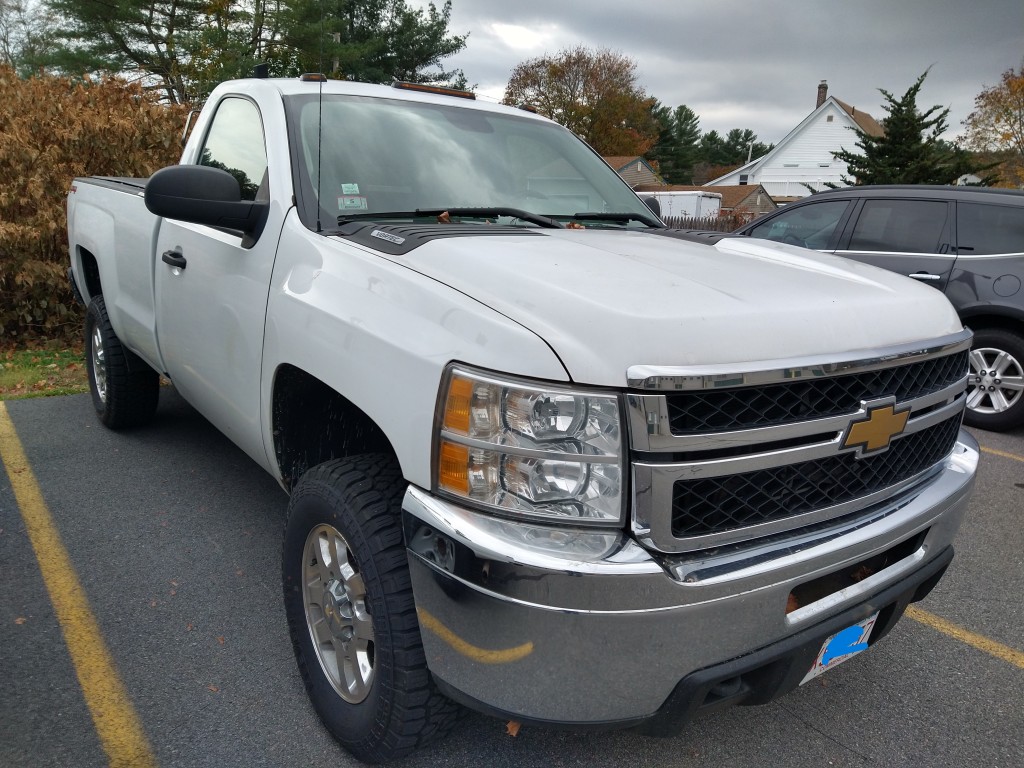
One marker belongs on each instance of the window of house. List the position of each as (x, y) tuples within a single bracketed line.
[(987, 229), (235, 144), (743, 179), (830, 118), (900, 226)]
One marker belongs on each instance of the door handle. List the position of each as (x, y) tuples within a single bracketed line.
[(916, 276), (174, 258)]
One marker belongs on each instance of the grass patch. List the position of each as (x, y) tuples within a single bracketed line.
[(41, 372)]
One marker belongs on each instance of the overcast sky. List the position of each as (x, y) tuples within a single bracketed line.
[(757, 64)]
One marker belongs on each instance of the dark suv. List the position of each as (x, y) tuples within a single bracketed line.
[(966, 241)]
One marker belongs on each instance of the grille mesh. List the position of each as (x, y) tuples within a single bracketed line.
[(800, 400), (715, 505)]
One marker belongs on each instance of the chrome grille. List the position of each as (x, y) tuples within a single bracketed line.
[(698, 412), (717, 504), (721, 455)]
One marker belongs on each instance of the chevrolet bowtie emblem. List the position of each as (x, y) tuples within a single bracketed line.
[(872, 433)]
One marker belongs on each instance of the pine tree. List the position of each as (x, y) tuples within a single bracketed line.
[(910, 151), (678, 145)]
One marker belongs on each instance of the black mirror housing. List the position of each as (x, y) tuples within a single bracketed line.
[(653, 204), (201, 194)]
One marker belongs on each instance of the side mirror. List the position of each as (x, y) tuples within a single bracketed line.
[(653, 204), (201, 194)]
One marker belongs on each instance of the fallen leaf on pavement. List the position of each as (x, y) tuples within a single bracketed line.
[(512, 728)]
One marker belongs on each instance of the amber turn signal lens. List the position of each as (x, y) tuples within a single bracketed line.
[(456, 407), (453, 468)]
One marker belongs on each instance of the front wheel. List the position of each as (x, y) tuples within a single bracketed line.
[(995, 391), (122, 397), (351, 615)]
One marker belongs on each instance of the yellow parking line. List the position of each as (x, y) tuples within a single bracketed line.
[(991, 647), (1004, 454), (116, 723)]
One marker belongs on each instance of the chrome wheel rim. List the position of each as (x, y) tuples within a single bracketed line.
[(996, 383), (99, 365), (339, 623)]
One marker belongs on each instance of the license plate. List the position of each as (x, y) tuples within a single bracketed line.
[(843, 645)]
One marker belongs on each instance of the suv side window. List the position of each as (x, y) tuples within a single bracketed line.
[(900, 226), (987, 229), (809, 226), (235, 144)]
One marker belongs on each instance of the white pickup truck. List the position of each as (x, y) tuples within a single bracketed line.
[(545, 459)]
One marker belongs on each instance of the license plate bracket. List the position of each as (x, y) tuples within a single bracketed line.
[(842, 646)]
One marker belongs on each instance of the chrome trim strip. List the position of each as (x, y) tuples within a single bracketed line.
[(737, 465), (731, 375), (533, 453), (650, 428)]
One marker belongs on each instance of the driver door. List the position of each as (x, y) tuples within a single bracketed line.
[(212, 287), (911, 237)]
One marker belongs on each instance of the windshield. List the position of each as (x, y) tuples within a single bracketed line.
[(383, 156)]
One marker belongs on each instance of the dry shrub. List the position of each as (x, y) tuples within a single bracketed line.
[(53, 129)]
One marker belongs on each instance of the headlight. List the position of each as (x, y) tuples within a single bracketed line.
[(538, 451)]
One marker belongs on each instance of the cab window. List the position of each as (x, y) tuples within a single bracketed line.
[(900, 226), (235, 144), (809, 226)]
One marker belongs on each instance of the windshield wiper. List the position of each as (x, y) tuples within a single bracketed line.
[(618, 217), (481, 213)]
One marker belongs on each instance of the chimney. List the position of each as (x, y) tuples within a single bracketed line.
[(822, 93)]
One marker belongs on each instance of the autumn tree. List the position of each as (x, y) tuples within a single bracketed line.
[(996, 126), (910, 151), (593, 93)]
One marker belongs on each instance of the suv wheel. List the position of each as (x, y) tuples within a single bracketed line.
[(995, 391)]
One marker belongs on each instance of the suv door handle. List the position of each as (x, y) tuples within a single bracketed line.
[(174, 258), (916, 276)]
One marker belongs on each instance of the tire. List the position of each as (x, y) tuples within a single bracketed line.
[(122, 398), (348, 597), (995, 391)]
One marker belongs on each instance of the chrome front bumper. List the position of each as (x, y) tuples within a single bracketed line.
[(584, 627)]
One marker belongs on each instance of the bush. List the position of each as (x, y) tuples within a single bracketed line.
[(53, 129)]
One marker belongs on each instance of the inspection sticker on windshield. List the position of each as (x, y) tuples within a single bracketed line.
[(842, 646), (351, 203)]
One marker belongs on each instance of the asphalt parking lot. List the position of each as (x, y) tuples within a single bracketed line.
[(172, 535)]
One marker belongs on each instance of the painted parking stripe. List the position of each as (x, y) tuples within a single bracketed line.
[(119, 729), (982, 643), (1004, 454)]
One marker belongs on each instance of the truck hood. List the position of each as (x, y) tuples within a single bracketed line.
[(606, 300)]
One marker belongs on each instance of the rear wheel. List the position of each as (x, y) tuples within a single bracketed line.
[(995, 391), (122, 397), (351, 613)]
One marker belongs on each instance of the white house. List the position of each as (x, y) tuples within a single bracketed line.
[(802, 162)]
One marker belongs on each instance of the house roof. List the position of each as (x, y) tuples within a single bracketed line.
[(618, 162), (864, 121)]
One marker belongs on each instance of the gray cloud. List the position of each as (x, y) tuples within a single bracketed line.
[(757, 65)]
